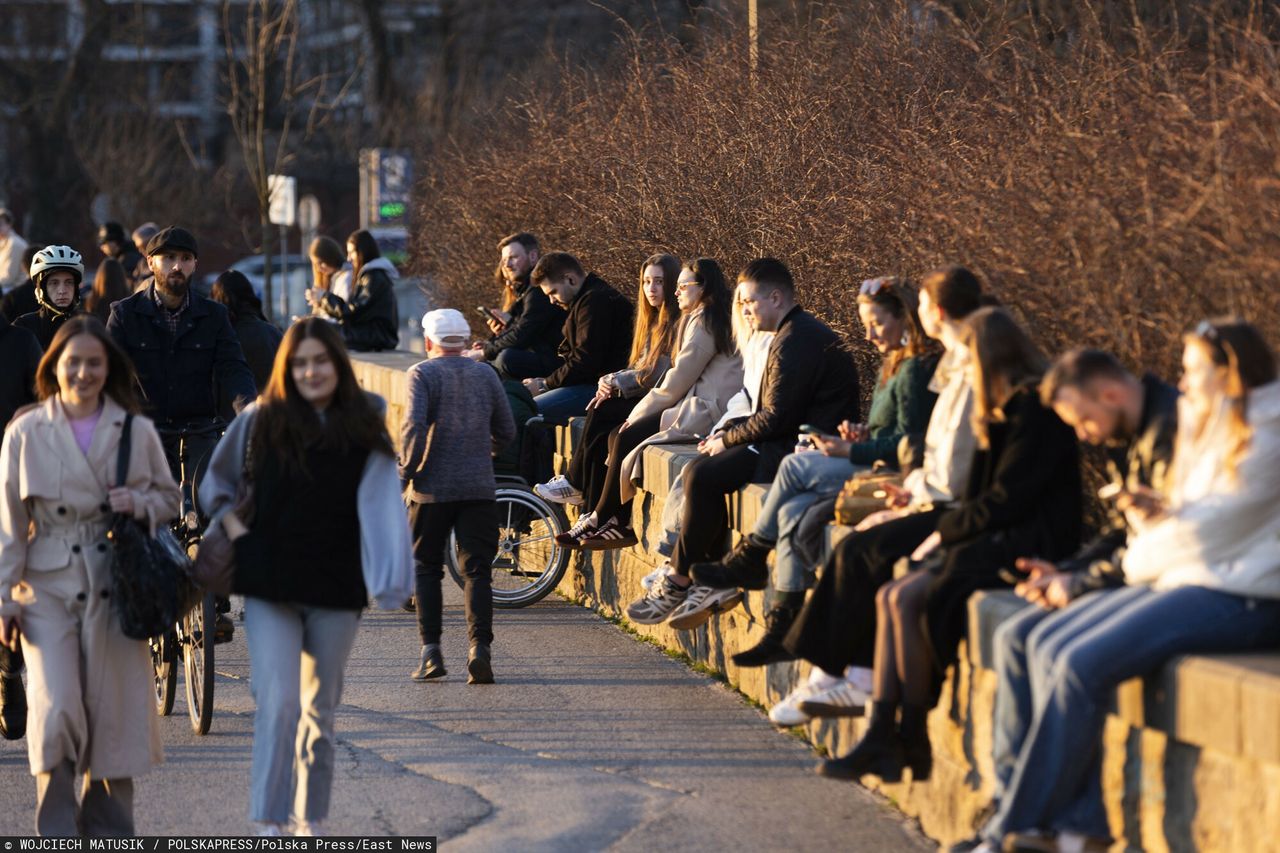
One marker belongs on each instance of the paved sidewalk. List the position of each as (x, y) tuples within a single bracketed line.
[(591, 740)]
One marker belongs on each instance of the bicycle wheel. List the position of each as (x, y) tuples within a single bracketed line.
[(197, 658), (529, 563), (164, 673)]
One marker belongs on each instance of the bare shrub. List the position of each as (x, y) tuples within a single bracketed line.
[(1113, 180)]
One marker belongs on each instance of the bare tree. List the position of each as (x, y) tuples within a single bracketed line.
[(270, 100)]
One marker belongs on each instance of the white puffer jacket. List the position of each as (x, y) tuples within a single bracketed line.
[(1223, 531)]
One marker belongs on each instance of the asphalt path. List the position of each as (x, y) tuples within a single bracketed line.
[(590, 740)]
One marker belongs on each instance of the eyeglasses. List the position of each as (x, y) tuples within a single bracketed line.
[(872, 286), (685, 285)]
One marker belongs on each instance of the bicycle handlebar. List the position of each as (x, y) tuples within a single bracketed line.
[(218, 426)]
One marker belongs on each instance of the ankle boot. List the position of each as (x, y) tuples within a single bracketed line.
[(777, 622), (431, 664), (917, 751), (746, 566), (879, 753), (479, 665)]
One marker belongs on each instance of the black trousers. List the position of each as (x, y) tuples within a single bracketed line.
[(837, 626), (476, 525), (515, 363), (707, 481), (587, 466), (621, 443)]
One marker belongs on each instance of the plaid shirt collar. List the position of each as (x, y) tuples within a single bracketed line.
[(174, 317)]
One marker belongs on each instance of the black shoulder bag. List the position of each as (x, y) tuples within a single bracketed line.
[(150, 575)]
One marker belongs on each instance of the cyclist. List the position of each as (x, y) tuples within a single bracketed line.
[(187, 356), (57, 272)]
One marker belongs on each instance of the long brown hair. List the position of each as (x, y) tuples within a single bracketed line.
[(366, 250), (1003, 357), (122, 380), (900, 299), (286, 425), (328, 250), (110, 284), (655, 327), (1238, 348)]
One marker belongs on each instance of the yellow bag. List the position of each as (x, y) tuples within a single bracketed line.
[(863, 494)]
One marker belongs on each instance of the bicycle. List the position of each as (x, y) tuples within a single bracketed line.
[(190, 634), (529, 563)]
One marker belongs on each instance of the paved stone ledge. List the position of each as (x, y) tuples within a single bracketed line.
[(1192, 754)]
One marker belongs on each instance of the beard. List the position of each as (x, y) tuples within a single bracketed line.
[(175, 284)]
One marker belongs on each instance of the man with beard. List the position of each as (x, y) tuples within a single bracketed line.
[(527, 335), (183, 347)]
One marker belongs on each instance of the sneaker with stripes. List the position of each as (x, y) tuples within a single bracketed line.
[(610, 536), (585, 525), (701, 604), (559, 490), (841, 699), (657, 603)]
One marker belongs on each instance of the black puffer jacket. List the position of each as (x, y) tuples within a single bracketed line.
[(182, 374), (536, 325), (370, 319), (809, 378), (19, 355)]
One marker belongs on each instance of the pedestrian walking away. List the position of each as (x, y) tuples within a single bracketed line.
[(457, 418), (328, 533), (91, 715)]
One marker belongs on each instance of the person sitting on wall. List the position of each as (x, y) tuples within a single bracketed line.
[(527, 331)]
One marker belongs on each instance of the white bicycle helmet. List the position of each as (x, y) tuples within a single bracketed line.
[(56, 258)]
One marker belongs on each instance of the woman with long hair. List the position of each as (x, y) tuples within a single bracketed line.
[(110, 284), (329, 268), (370, 318), (1023, 497), (619, 392), (706, 371), (329, 531), (258, 338), (900, 405), (1202, 577), (92, 727)]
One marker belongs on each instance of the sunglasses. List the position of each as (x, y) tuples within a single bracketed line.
[(872, 286)]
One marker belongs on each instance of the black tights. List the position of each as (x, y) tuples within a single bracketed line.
[(904, 665), (621, 443)]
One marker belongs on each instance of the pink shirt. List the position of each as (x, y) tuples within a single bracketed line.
[(82, 428)]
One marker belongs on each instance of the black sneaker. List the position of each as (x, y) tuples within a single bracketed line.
[(479, 665), (13, 707), (746, 567)]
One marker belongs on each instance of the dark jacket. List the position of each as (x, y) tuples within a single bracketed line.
[(182, 375), (536, 325), (809, 378), (42, 323), (370, 319), (259, 341), (19, 354), (1144, 461), (597, 335), (21, 300)]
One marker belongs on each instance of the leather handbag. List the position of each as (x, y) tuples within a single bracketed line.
[(862, 495), (150, 574), (215, 566)]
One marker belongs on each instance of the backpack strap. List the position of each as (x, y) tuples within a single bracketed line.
[(122, 457)]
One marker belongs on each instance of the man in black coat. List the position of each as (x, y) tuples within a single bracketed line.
[(22, 299), (19, 355), (597, 335), (527, 336), (184, 349), (809, 378)]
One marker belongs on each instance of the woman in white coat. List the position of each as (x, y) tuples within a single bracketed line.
[(90, 714), (706, 371), (1203, 575)]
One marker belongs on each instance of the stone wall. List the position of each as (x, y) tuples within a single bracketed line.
[(1192, 754)]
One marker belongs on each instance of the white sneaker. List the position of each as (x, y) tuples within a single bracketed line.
[(701, 604), (650, 580), (842, 699), (787, 713), (309, 828), (657, 603), (558, 490), (269, 830)]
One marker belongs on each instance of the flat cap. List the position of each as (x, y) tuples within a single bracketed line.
[(172, 238)]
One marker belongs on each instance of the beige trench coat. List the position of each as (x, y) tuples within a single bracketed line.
[(89, 687), (691, 396)]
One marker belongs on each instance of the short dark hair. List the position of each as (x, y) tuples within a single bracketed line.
[(953, 289), (524, 238), (1076, 369), (553, 266), (769, 272)]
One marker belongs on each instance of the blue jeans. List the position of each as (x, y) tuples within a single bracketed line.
[(560, 404), (1093, 647), (803, 479), (297, 655)]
